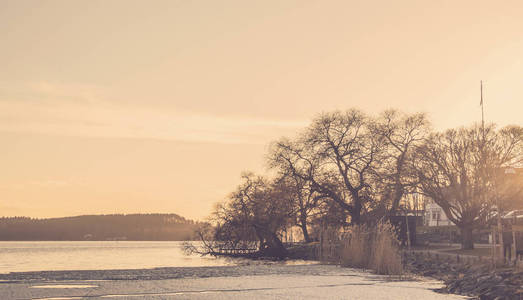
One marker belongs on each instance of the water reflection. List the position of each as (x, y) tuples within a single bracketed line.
[(98, 255), (107, 255)]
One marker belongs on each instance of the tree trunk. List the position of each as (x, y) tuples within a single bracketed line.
[(261, 246), (303, 226), (275, 247), (398, 194), (467, 242), (398, 187), (355, 214)]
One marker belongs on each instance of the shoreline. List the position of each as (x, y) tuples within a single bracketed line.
[(475, 280), (162, 273), (230, 263), (258, 281), (470, 278), (464, 279)]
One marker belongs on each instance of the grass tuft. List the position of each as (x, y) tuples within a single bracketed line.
[(366, 247)]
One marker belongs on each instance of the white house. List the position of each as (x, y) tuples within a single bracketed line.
[(435, 216)]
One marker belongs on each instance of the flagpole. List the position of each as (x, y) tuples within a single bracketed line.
[(499, 232), (482, 113)]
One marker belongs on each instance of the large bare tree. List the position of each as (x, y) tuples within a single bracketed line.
[(403, 133), (336, 154), (459, 170), (507, 182)]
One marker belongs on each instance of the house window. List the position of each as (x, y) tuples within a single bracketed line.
[(435, 215)]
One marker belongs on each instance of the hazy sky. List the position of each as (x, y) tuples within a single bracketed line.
[(157, 106)]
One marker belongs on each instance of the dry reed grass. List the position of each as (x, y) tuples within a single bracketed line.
[(366, 247)]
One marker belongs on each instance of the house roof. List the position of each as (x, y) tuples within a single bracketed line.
[(515, 213)]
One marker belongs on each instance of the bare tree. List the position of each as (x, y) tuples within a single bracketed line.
[(507, 187), (258, 210), (305, 201), (402, 134), (457, 169), (336, 154)]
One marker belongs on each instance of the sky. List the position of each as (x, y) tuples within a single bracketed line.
[(158, 106)]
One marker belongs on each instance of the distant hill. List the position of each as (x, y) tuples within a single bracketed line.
[(137, 227)]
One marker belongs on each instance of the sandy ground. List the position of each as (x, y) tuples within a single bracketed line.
[(239, 282)]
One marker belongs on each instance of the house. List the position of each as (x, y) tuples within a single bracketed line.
[(435, 216), (421, 205)]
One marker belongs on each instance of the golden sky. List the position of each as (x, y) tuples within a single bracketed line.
[(157, 106)]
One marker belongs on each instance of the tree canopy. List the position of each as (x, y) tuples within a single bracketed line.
[(351, 167)]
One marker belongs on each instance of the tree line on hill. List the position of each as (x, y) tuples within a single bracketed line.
[(142, 227), (349, 168)]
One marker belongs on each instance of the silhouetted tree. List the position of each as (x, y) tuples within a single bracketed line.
[(304, 201), (336, 154), (395, 175), (458, 170), (258, 210)]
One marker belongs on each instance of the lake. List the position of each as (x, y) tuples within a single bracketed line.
[(98, 255), (240, 281)]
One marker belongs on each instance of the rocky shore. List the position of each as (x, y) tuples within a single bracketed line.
[(475, 279)]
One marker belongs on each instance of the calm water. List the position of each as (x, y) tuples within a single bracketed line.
[(94, 255)]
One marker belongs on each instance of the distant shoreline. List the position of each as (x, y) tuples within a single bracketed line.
[(130, 227)]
